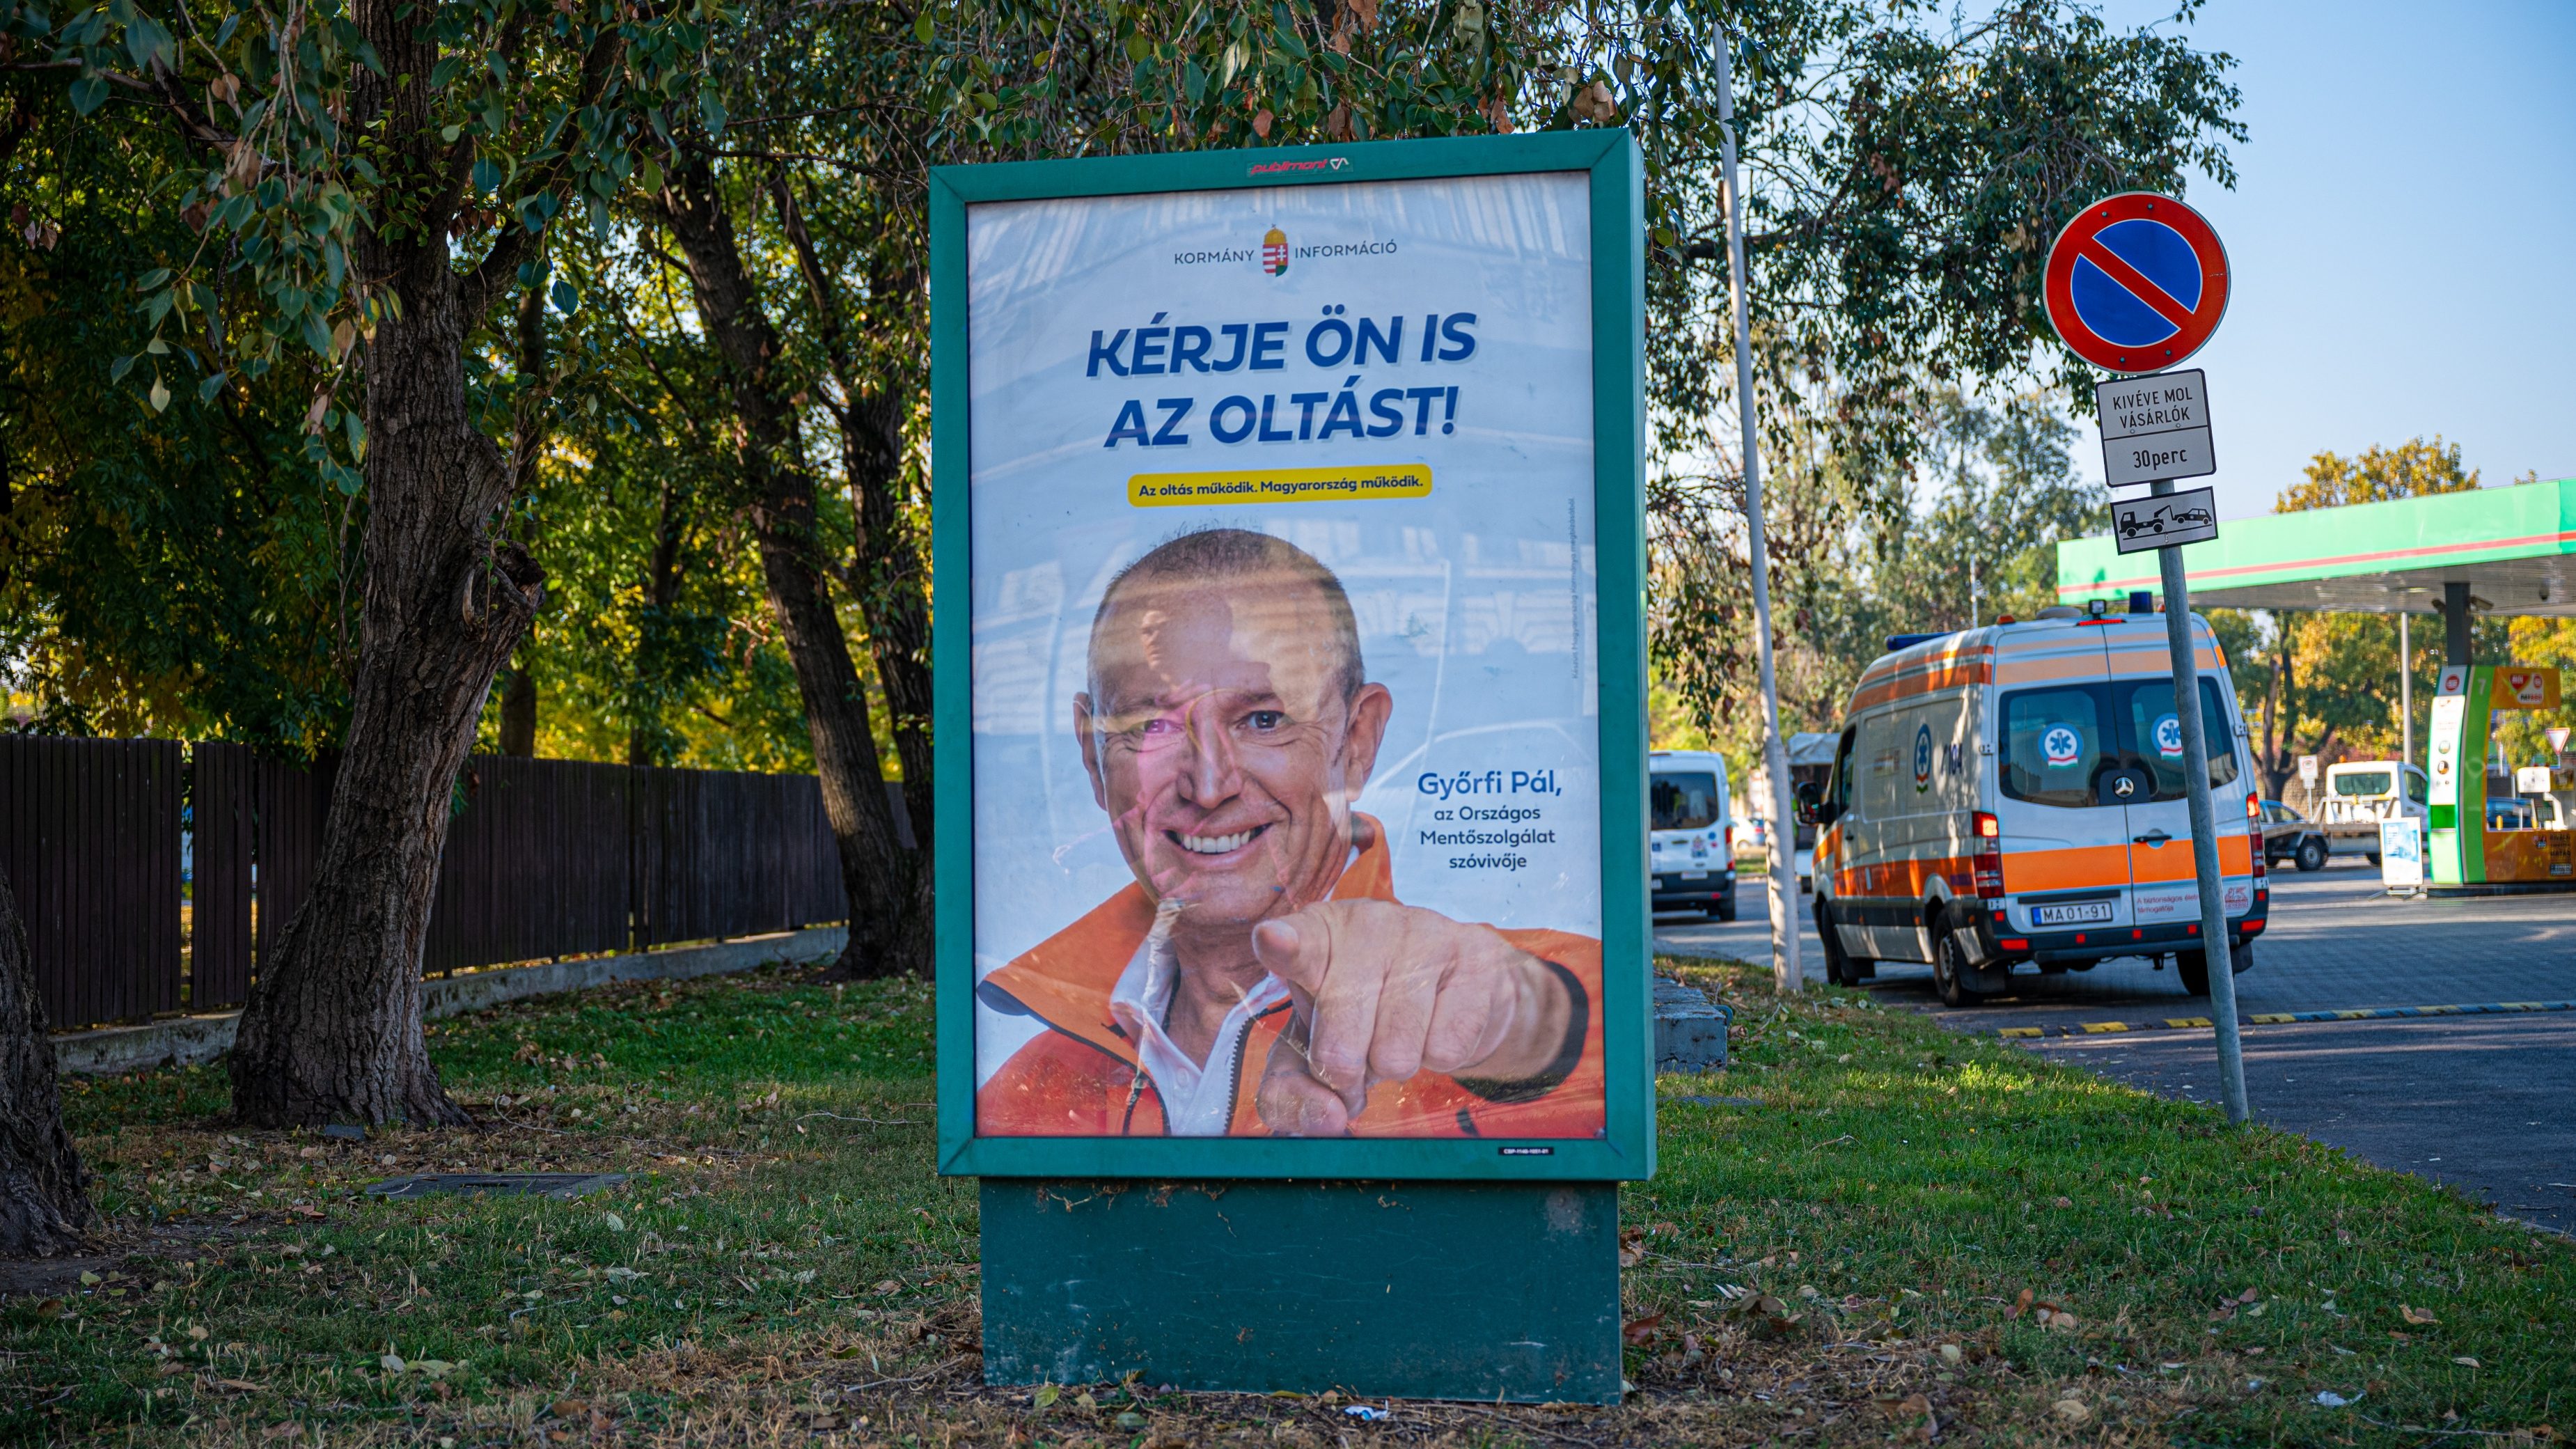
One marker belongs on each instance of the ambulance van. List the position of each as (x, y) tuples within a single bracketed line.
[(2013, 796)]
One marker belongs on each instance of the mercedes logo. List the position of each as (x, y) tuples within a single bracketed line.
[(2124, 787)]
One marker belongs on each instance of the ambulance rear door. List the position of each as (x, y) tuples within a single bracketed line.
[(2056, 742), (2163, 874)]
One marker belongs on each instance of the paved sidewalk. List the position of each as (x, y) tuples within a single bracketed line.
[(2481, 1103)]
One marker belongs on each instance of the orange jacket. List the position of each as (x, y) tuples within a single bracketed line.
[(1079, 1078)]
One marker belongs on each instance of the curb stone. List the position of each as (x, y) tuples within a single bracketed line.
[(189, 1041), (2278, 1018)]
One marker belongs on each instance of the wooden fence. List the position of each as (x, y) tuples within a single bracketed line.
[(105, 841), (89, 834)]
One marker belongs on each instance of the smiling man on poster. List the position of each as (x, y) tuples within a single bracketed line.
[(1260, 975)]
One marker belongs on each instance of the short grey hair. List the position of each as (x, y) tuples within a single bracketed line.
[(1235, 553)]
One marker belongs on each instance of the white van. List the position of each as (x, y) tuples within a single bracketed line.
[(1692, 834), (2361, 793), (2013, 796)]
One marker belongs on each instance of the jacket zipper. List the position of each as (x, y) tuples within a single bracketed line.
[(1242, 1045), (1136, 1089)]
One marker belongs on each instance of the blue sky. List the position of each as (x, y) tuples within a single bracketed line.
[(2402, 236)]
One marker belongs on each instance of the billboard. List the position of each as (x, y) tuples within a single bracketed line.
[(1291, 796)]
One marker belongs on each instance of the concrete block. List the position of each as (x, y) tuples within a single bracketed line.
[(1690, 1029)]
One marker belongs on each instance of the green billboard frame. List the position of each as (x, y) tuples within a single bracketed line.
[(1615, 171)]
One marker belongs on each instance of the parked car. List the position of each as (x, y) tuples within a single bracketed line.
[(2289, 835)]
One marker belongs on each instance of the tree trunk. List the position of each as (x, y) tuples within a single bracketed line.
[(519, 683), (2280, 712), (332, 1031), (644, 739), (888, 895), (519, 713), (892, 564), (44, 1202)]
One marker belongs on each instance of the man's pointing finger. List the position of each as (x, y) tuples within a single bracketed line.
[(1298, 958)]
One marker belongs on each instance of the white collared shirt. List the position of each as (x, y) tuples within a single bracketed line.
[(1198, 1101)]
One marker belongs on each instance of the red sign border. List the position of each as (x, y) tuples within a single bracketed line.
[(2057, 285)]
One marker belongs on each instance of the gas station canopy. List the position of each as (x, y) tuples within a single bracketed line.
[(2495, 551), (2514, 548)]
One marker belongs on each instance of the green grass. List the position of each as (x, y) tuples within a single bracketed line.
[(1829, 1266), (1926, 1181)]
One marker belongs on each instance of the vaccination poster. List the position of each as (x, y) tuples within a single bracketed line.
[(1285, 734)]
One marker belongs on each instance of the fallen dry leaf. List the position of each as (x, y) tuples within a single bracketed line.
[(2416, 1315), (1643, 1330), (2072, 1411)]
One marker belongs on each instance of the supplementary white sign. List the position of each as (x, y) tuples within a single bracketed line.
[(2531, 780), (2155, 427), (2307, 769), (2139, 524)]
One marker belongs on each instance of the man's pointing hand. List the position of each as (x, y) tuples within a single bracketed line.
[(1384, 991)]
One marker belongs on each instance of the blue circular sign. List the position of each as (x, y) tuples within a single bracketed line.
[(2135, 283)]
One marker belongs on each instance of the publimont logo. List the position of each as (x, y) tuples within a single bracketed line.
[(1274, 252)]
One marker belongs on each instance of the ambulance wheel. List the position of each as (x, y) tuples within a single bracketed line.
[(1840, 968), (1725, 909), (1950, 972), (2194, 966), (2312, 855)]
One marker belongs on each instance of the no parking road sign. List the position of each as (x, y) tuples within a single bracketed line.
[(2136, 283)]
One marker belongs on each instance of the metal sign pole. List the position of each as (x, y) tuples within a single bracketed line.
[(2216, 945), (1786, 972)]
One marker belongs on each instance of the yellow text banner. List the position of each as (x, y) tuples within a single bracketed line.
[(1279, 485)]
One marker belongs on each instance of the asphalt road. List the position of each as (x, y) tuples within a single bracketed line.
[(2480, 1102)]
